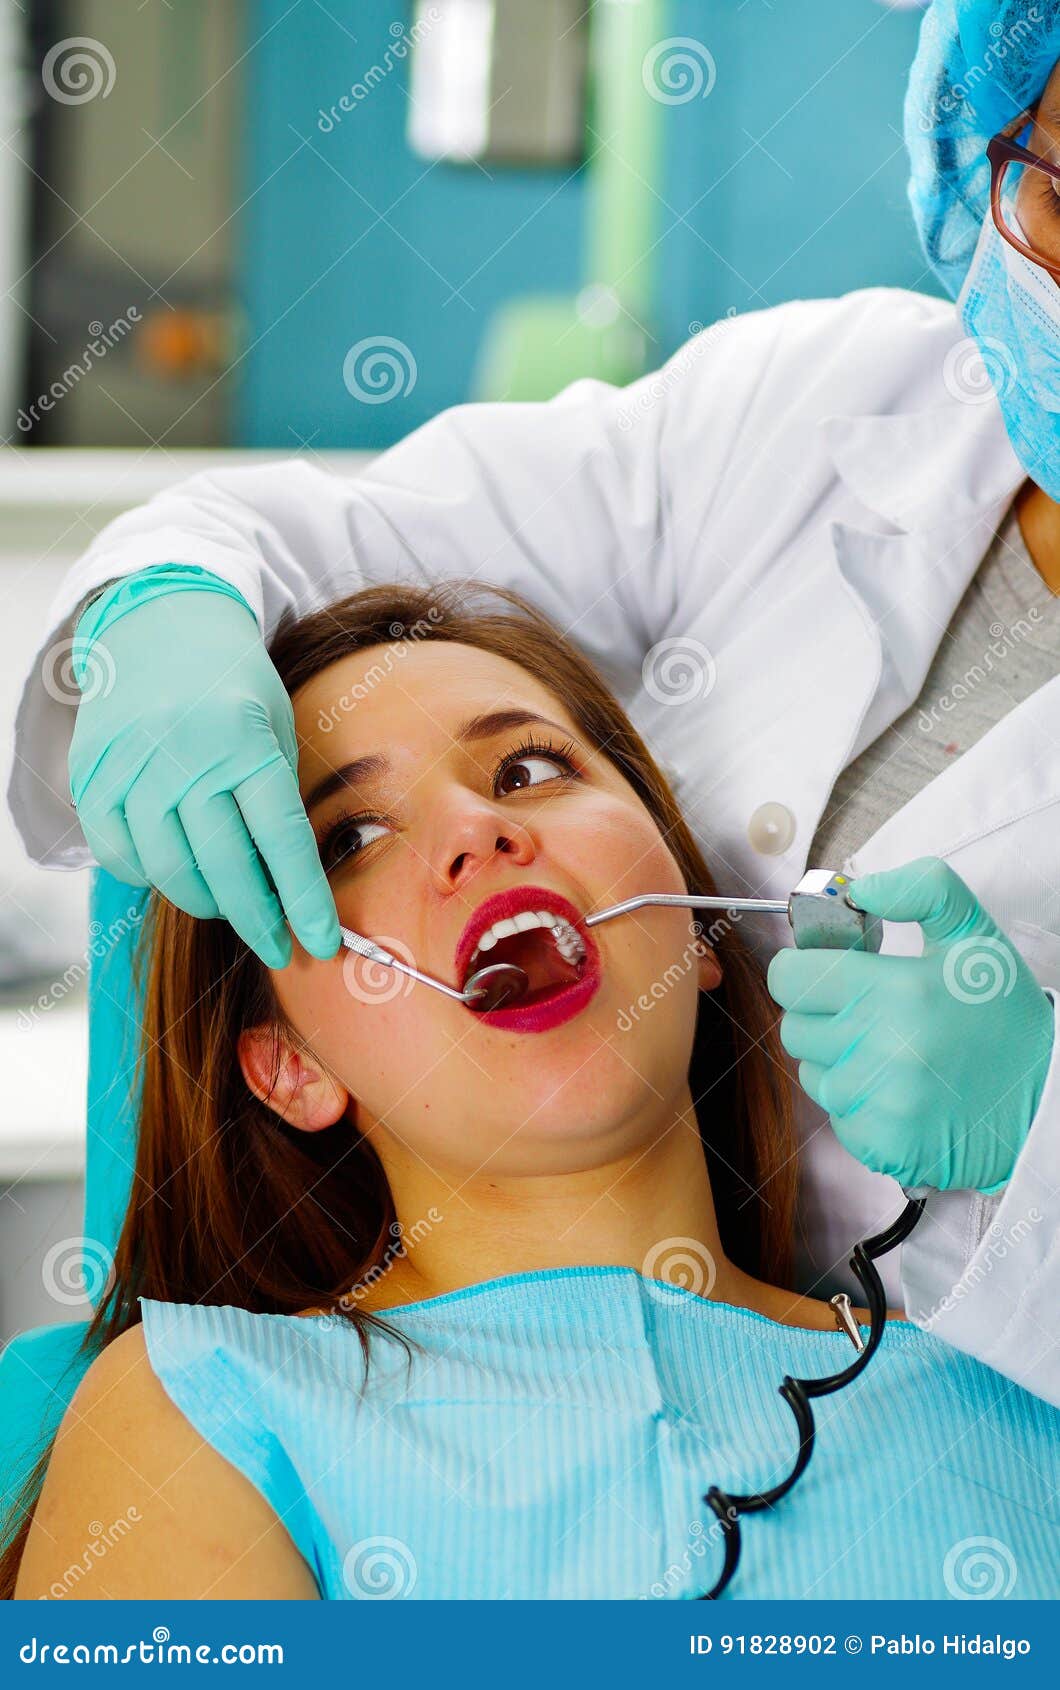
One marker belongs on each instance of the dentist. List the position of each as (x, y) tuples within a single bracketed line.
[(818, 556)]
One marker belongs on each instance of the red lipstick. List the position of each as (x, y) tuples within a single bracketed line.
[(552, 1008)]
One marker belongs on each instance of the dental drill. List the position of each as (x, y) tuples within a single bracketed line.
[(820, 911)]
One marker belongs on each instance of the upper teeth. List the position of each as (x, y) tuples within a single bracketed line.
[(567, 938)]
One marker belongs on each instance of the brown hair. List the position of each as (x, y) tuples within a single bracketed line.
[(231, 1205)]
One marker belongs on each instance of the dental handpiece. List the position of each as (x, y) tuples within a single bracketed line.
[(820, 911)]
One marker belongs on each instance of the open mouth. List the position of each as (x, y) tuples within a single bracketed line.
[(548, 948)]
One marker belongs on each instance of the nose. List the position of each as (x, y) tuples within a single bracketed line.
[(471, 834)]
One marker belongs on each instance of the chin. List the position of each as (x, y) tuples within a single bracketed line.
[(596, 1095)]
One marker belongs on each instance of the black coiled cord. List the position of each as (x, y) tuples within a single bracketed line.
[(798, 1392)]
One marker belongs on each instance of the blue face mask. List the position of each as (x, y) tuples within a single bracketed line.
[(1011, 308)]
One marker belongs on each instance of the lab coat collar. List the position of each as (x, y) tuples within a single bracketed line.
[(941, 468), (941, 480)]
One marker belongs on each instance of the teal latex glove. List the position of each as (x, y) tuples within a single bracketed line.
[(930, 1067), (184, 773)]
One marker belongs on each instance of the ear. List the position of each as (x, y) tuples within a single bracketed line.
[(710, 970), (289, 1080)]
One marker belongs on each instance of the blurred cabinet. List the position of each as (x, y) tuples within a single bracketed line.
[(137, 141)]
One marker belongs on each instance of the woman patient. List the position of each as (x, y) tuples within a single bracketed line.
[(413, 1301)]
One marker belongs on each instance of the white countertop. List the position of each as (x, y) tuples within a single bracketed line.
[(122, 477), (55, 499)]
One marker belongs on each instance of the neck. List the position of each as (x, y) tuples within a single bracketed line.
[(1039, 520), (650, 1209)]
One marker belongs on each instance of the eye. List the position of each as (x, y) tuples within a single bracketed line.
[(531, 765), (344, 839)]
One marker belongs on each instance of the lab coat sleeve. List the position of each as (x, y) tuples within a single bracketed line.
[(559, 500), (983, 1273)]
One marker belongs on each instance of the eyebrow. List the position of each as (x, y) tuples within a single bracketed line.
[(374, 765)]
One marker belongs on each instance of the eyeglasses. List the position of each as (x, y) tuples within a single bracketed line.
[(1030, 219), (798, 1392)]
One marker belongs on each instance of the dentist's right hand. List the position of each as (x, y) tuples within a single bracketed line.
[(183, 769)]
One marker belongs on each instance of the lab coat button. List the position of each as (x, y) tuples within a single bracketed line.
[(771, 829)]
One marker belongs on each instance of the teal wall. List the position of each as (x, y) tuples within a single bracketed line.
[(788, 180), (791, 177), (349, 235)]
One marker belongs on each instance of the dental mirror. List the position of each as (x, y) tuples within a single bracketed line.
[(496, 984), (487, 988)]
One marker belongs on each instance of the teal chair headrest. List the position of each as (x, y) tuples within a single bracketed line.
[(40, 1370), (116, 914)]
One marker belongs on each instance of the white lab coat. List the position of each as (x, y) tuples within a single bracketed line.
[(803, 492)]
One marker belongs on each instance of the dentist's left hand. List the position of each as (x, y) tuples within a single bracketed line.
[(930, 1067), (184, 774)]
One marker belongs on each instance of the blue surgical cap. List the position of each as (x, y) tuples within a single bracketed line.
[(979, 64)]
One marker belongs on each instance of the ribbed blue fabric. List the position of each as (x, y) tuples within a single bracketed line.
[(554, 1432)]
